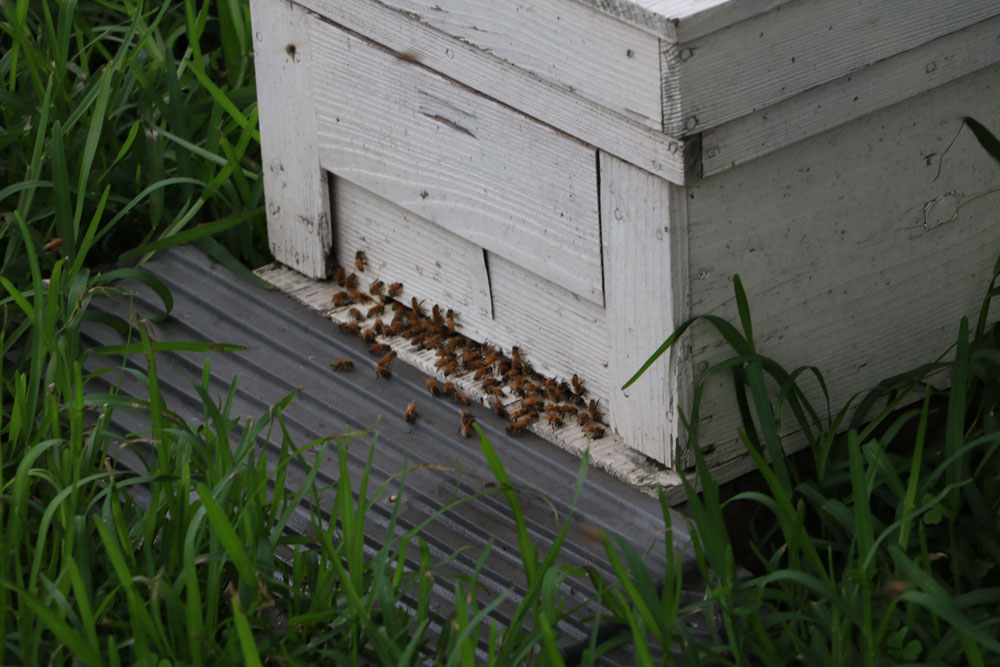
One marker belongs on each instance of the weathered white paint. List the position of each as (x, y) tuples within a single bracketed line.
[(856, 256), (782, 53), (557, 106), (853, 96), (560, 333), (682, 20), (595, 57), (643, 223), (298, 218), (482, 171)]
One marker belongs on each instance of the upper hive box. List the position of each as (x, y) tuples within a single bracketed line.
[(577, 177)]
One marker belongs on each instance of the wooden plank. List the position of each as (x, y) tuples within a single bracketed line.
[(856, 255), (560, 333), (779, 54), (298, 208), (683, 20), (853, 96), (559, 107), (562, 41), (492, 176), (643, 227)]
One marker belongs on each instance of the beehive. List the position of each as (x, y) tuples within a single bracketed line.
[(577, 177)]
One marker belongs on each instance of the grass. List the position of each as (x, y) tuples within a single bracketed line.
[(125, 129)]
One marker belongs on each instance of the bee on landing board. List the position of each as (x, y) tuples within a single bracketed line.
[(381, 370), (411, 412), (595, 431), (465, 428), (339, 276), (342, 365), (341, 298), (359, 260), (395, 289), (433, 387), (375, 289)]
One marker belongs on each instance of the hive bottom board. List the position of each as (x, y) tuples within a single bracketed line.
[(608, 453)]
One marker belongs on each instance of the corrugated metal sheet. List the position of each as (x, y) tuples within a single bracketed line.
[(289, 348)]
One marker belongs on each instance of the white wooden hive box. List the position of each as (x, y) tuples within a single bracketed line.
[(577, 177)]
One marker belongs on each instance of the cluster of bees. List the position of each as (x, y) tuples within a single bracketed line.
[(374, 311)]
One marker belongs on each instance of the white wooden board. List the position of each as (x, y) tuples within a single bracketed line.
[(298, 218), (553, 105), (853, 96), (482, 171), (573, 46), (682, 20), (560, 333), (779, 54), (644, 231), (856, 256)]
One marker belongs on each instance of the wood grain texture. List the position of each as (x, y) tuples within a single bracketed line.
[(560, 333), (853, 96), (682, 20), (644, 222), (856, 256), (480, 170), (561, 41), (781, 53), (298, 208), (550, 104)]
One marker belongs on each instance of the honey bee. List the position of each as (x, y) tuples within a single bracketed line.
[(515, 356), (448, 389), (375, 289), (595, 431), (415, 307), (342, 364), (359, 260), (583, 419), (395, 289), (481, 373), (389, 356), (568, 409), (531, 403), (436, 314), (368, 335), (593, 408), (338, 276), (53, 245), (381, 370), (376, 310), (465, 428), (358, 296), (462, 398), (578, 387), (555, 418), (379, 327), (451, 368), (379, 349), (499, 409), (411, 412), (518, 427), (449, 319), (341, 299), (351, 281), (355, 314), (349, 328), (433, 387)]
